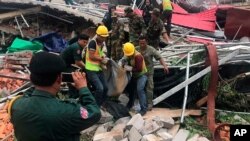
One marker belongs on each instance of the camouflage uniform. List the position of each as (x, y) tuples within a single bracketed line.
[(154, 31), (117, 37), (136, 28)]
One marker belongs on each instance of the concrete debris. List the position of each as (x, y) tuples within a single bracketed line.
[(134, 134), (117, 135), (106, 117), (243, 121), (136, 121), (164, 135), (90, 129), (181, 135), (173, 131), (167, 122), (151, 137), (150, 127), (125, 139), (124, 120), (108, 139)]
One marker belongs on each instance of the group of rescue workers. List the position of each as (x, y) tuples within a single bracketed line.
[(39, 116)]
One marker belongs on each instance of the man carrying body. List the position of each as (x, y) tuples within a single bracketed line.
[(139, 79), (136, 26), (40, 116), (94, 60), (148, 52)]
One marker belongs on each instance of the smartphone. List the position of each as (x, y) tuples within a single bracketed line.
[(67, 77)]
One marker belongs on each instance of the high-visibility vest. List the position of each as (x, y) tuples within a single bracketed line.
[(167, 5), (91, 64), (144, 68)]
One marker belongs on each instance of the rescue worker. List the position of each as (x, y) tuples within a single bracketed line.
[(148, 52), (146, 12), (117, 38), (156, 29), (40, 116), (139, 78), (73, 53), (136, 26), (167, 10), (94, 60)]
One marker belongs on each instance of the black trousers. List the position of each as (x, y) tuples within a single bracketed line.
[(167, 17)]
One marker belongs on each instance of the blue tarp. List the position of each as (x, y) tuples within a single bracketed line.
[(53, 42)]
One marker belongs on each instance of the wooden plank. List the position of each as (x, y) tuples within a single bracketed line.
[(165, 113), (192, 79), (201, 102), (9, 15)]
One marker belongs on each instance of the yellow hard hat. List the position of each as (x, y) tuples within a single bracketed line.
[(128, 49), (102, 31)]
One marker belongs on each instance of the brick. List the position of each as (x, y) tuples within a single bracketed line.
[(194, 138), (181, 135), (117, 135), (164, 135), (119, 127), (136, 121), (134, 135), (151, 137), (168, 122), (150, 127), (106, 117)]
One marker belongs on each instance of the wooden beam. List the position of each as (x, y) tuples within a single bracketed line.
[(9, 15), (192, 79)]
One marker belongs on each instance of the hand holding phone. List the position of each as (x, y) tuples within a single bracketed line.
[(67, 77), (79, 80)]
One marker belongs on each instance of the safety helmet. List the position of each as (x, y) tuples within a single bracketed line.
[(128, 49), (102, 31)]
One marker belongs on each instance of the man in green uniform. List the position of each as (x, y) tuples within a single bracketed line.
[(148, 52), (136, 25), (73, 53), (40, 116), (117, 38), (156, 29)]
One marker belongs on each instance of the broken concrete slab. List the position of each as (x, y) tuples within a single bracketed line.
[(164, 135), (123, 120), (194, 138), (119, 127), (173, 131), (181, 135), (151, 137), (117, 135), (100, 129), (125, 139), (168, 122), (136, 121), (106, 117), (134, 134), (108, 139), (90, 129), (150, 127)]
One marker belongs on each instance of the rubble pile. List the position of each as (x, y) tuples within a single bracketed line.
[(154, 126)]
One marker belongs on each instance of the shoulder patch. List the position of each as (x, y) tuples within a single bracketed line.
[(84, 113), (78, 51)]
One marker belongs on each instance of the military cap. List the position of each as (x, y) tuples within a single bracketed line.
[(156, 12), (128, 10), (46, 63)]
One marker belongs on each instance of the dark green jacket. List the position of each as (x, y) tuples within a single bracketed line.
[(42, 117), (72, 53)]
